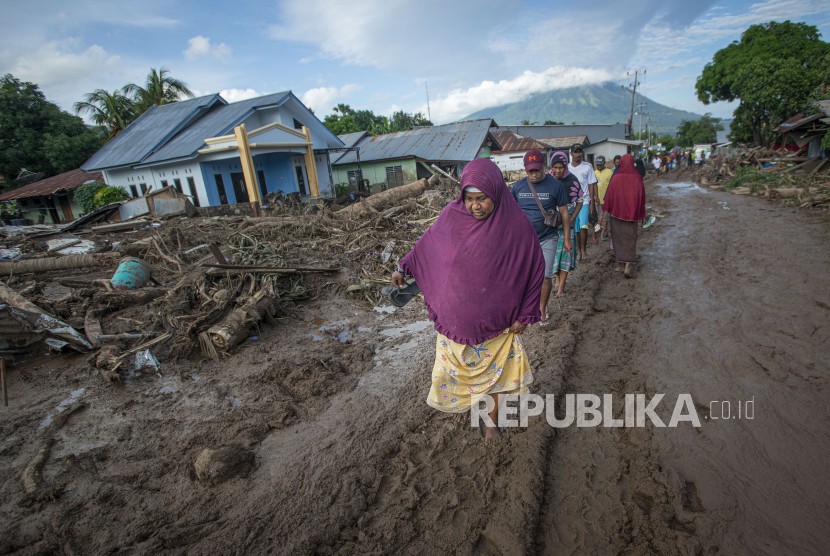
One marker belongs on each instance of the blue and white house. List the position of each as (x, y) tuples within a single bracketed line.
[(191, 145)]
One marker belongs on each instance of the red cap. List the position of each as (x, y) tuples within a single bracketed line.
[(534, 160)]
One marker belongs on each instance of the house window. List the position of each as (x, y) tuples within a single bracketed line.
[(298, 125), (178, 183), (394, 176), (164, 183), (220, 187), (143, 187), (24, 202), (300, 180), (191, 185), (357, 175), (261, 179), (134, 191)]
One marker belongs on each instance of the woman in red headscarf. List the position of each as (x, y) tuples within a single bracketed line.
[(625, 201)]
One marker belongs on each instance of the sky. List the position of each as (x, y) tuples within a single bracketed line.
[(382, 55)]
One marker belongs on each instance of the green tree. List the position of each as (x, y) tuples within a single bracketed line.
[(704, 130), (85, 195), (551, 122), (528, 122), (768, 70), (113, 111), (403, 121), (37, 135), (111, 194), (159, 88)]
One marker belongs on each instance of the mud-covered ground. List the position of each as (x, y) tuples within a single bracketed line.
[(336, 451)]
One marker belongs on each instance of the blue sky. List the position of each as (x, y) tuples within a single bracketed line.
[(378, 54)]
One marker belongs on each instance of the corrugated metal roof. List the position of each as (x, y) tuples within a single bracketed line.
[(563, 142), (451, 142), (62, 182), (216, 121), (349, 139), (147, 133), (513, 142), (798, 120)]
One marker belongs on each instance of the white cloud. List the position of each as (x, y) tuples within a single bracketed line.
[(235, 95), (461, 102), (322, 99), (200, 46), (54, 63), (379, 32)]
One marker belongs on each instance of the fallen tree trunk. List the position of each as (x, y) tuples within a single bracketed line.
[(234, 328), (47, 264), (127, 298), (383, 200)]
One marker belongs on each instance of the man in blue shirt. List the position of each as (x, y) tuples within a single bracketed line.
[(552, 196)]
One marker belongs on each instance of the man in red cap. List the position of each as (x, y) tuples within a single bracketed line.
[(541, 188)]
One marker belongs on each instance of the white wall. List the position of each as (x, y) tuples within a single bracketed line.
[(125, 177), (509, 161)]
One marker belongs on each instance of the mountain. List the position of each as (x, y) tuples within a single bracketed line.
[(590, 104)]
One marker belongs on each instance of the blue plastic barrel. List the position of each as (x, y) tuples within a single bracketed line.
[(131, 273)]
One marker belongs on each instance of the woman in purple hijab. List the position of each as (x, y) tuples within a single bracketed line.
[(480, 268)]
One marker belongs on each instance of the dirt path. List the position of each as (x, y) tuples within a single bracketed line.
[(348, 458)]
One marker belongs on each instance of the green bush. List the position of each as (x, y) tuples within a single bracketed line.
[(109, 195), (85, 195), (341, 189), (754, 179)]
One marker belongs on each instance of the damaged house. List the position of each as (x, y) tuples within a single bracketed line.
[(395, 159), (192, 146), (51, 200)]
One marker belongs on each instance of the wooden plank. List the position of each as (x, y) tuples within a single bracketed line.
[(311, 166)]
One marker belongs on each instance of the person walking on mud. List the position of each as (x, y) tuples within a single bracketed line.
[(481, 269), (565, 259), (603, 179), (584, 173), (626, 203), (535, 193)]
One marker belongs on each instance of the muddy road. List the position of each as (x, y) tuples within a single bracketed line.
[(333, 450)]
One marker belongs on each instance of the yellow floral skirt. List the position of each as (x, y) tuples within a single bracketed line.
[(463, 374)]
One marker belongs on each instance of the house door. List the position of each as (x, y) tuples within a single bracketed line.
[(67, 210), (239, 188), (300, 175), (52, 211)]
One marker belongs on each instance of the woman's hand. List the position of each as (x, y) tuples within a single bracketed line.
[(517, 328), (398, 280)]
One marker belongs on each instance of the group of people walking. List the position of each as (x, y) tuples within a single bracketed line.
[(665, 162), (486, 266)]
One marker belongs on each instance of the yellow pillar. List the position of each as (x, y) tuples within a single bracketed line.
[(311, 166), (248, 170)]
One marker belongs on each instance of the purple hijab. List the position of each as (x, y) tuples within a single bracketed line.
[(479, 277)]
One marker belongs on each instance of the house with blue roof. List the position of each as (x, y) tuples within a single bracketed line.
[(191, 145)]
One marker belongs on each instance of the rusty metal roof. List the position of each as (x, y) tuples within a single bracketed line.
[(513, 142), (49, 186), (459, 141), (349, 139), (565, 142)]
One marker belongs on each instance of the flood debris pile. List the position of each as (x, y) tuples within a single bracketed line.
[(762, 172), (165, 289)]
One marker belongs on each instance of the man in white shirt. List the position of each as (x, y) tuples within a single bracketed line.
[(584, 172), (657, 161)]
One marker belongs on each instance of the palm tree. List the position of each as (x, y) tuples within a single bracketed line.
[(159, 88), (527, 122), (113, 110)]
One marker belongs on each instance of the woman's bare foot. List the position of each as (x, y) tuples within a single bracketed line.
[(463, 419), (492, 435)]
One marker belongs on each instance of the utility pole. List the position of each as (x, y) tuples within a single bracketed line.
[(640, 107), (633, 94), (429, 115)]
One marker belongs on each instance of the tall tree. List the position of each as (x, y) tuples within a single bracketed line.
[(704, 130), (37, 135), (113, 110), (159, 88), (751, 70)]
